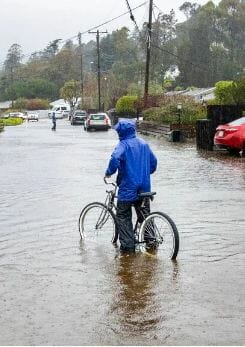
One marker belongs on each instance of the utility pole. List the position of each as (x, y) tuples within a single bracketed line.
[(148, 53), (81, 64), (12, 85), (98, 63)]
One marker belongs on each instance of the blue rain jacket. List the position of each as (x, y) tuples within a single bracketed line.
[(134, 161)]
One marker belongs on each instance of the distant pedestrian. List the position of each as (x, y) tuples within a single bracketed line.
[(53, 121)]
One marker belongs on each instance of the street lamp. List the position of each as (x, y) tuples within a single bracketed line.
[(91, 66), (179, 108)]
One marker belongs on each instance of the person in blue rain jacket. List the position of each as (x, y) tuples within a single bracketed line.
[(134, 162)]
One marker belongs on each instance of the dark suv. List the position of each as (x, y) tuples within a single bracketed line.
[(78, 117)]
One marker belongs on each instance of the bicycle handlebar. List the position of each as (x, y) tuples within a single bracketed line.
[(112, 183)]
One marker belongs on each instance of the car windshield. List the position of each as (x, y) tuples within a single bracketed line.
[(80, 114), (97, 117), (238, 121)]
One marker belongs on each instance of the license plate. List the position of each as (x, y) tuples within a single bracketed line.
[(96, 122), (221, 133)]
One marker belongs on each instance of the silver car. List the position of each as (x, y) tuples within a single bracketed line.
[(97, 121)]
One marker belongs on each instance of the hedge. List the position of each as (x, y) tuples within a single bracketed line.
[(12, 121)]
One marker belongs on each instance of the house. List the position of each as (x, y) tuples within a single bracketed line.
[(199, 94), (59, 102), (5, 105)]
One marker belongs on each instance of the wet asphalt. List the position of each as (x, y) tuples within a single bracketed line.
[(55, 290)]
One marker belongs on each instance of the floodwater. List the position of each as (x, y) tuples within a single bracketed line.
[(55, 290)]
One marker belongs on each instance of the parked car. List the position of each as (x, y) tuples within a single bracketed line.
[(5, 116), (61, 111), (97, 121), (32, 116), (231, 136), (78, 117), (16, 115)]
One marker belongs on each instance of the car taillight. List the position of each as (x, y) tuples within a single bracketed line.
[(231, 130), (106, 121)]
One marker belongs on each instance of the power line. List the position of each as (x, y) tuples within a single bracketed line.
[(167, 51)]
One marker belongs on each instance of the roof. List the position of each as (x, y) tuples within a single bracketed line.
[(59, 102), (4, 105), (197, 93)]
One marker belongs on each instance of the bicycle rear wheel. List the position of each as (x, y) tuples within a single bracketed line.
[(96, 221), (158, 231)]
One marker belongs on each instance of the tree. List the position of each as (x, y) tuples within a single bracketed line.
[(32, 88), (70, 92), (189, 9), (11, 64), (195, 56), (162, 45), (51, 49), (239, 91), (20, 104), (14, 57)]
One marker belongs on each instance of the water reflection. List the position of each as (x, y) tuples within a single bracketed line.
[(142, 280), (223, 157)]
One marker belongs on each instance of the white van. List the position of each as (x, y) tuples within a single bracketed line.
[(61, 111)]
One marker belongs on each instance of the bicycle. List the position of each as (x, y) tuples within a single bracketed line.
[(156, 231)]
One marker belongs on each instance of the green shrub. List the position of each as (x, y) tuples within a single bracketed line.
[(168, 113), (12, 121), (126, 104), (224, 92)]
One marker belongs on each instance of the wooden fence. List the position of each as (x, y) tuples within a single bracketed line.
[(155, 129), (205, 134), (151, 128)]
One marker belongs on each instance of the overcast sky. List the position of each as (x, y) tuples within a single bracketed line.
[(34, 23)]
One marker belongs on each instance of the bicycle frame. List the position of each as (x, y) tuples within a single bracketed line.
[(111, 206), (111, 195)]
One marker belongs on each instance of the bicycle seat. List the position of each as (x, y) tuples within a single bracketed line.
[(146, 194)]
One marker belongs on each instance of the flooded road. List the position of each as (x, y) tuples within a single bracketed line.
[(54, 290)]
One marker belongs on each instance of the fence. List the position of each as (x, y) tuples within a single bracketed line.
[(151, 128), (1, 125)]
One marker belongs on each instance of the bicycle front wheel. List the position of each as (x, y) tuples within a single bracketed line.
[(159, 232), (96, 221)]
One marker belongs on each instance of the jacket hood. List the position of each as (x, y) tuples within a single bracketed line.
[(126, 129)]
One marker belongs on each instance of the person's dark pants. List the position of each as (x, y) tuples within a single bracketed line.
[(125, 224), (54, 126)]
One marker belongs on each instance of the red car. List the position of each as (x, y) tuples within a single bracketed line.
[(231, 136)]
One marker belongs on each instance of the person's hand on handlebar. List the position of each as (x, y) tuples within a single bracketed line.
[(105, 179), (106, 182)]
